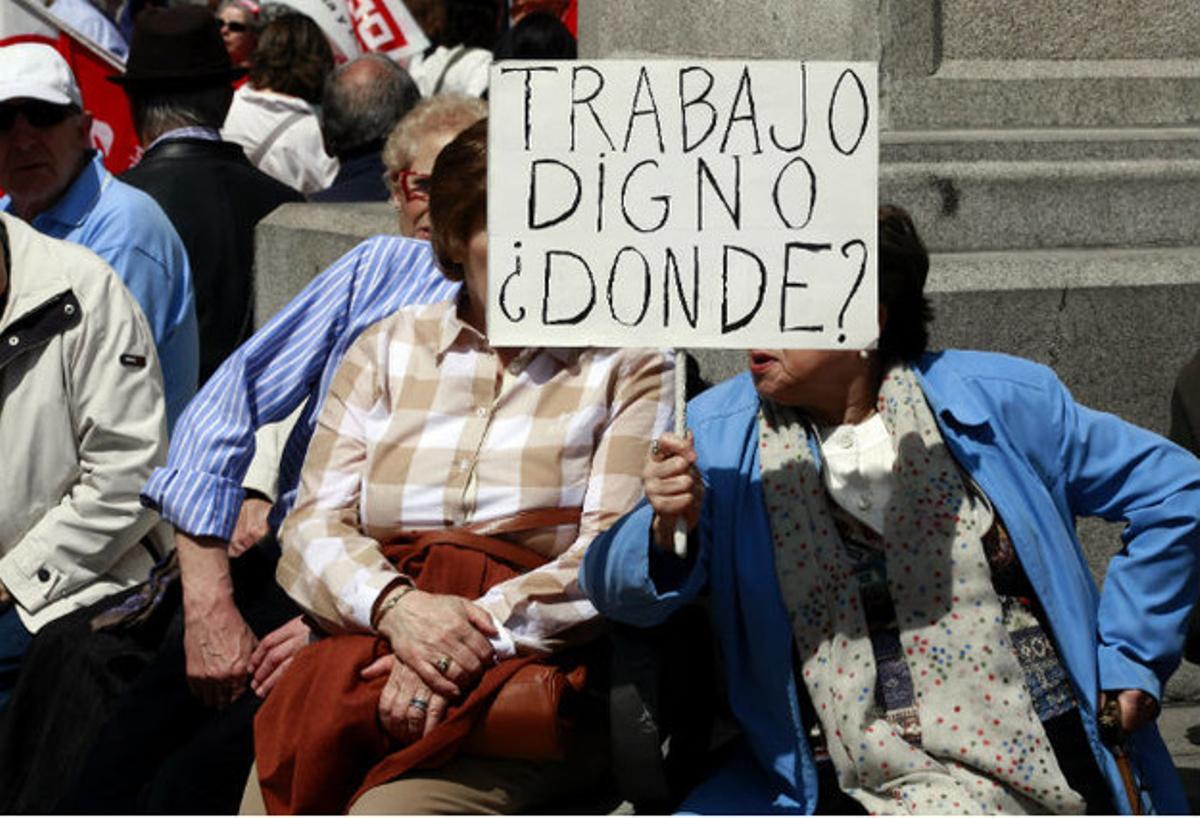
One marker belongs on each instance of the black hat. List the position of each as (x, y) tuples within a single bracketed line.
[(176, 49)]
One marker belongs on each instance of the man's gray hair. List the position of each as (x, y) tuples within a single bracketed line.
[(156, 113), (359, 110)]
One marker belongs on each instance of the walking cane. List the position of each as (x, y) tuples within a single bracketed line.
[(1116, 739)]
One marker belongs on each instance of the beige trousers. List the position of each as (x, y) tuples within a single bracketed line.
[(473, 785)]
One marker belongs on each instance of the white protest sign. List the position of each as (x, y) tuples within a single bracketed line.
[(690, 204)]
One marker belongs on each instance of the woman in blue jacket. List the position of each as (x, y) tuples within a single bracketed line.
[(907, 620)]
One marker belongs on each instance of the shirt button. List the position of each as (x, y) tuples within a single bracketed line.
[(43, 575), (864, 503), (69, 309), (464, 464), (846, 440), (480, 412), (13, 340)]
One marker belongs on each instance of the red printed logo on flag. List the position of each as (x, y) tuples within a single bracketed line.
[(375, 26)]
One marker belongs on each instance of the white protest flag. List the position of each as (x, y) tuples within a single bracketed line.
[(388, 27), (17, 22), (357, 26), (727, 204)]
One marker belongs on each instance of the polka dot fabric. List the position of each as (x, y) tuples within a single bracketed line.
[(983, 749)]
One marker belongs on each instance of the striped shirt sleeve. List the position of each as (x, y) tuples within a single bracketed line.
[(200, 488)]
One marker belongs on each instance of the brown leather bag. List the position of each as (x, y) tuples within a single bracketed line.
[(532, 716)]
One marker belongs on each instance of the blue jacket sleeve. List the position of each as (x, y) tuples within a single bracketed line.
[(1120, 472), (629, 580), (264, 380)]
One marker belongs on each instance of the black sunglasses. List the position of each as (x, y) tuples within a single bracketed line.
[(39, 114), (233, 25)]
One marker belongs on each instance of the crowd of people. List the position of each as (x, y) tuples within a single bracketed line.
[(293, 563)]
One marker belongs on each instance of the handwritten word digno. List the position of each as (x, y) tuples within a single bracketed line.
[(718, 199)]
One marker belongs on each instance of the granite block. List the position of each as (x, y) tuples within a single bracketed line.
[(298, 241)]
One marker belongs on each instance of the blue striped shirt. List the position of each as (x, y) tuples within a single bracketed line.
[(290, 360)]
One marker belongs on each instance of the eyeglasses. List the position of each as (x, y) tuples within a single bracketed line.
[(40, 115), (233, 25), (414, 185)]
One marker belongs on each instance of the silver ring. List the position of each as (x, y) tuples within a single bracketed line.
[(654, 447), (419, 703), (442, 665)]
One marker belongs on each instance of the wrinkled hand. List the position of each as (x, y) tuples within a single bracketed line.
[(424, 628), (672, 486), (274, 653), (251, 525), (400, 718), (1138, 708), (218, 645)]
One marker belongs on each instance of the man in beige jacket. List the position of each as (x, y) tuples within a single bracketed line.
[(82, 425)]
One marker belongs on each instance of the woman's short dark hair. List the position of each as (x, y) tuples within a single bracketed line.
[(293, 57), (458, 197), (473, 23), (903, 268), (538, 36)]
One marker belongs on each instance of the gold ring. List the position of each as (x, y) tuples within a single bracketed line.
[(442, 665)]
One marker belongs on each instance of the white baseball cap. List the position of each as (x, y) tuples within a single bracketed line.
[(37, 71)]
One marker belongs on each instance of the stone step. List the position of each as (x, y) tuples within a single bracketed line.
[(1045, 144), (964, 205), (1071, 93), (1024, 188)]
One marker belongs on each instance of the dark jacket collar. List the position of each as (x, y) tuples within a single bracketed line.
[(196, 149), (371, 149)]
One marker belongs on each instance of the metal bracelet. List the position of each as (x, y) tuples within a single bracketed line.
[(391, 602)]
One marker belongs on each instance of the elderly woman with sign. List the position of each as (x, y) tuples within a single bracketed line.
[(446, 501), (907, 619)]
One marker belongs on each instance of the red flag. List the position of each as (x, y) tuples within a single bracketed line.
[(112, 126), (570, 18)]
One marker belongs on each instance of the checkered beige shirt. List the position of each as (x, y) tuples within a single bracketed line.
[(423, 428)]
